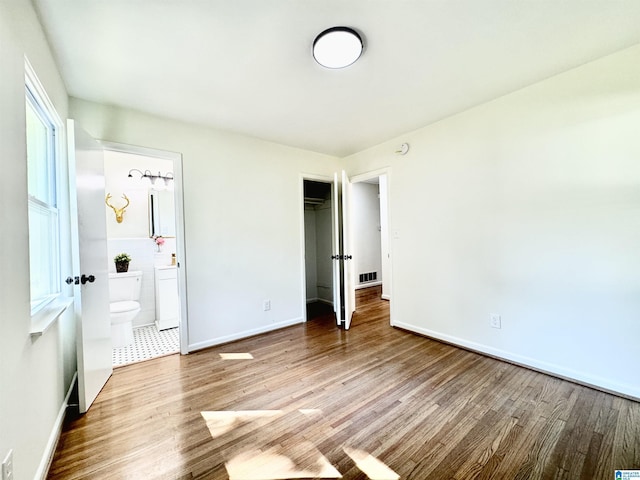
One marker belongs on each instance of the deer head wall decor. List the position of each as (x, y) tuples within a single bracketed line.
[(118, 211)]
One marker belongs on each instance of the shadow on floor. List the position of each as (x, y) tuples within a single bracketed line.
[(319, 309)]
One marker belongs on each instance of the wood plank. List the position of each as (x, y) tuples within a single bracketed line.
[(425, 409)]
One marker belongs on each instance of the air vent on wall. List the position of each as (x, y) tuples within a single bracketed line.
[(368, 277)]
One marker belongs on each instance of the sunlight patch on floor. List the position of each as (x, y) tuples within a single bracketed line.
[(259, 454), (236, 356), (223, 422), (309, 412), (272, 465), (370, 465)]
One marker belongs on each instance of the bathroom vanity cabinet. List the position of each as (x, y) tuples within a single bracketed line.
[(167, 303)]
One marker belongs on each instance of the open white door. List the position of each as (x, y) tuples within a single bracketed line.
[(344, 294), (90, 264), (337, 274), (348, 281)]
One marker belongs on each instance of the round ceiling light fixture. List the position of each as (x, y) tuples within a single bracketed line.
[(337, 47)]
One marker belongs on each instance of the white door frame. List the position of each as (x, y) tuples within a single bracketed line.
[(316, 178), (386, 171), (348, 272), (178, 189)]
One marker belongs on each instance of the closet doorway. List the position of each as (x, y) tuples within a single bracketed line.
[(318, 248)]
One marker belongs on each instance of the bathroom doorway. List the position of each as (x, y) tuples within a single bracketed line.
[(318, 248), (148, 184)]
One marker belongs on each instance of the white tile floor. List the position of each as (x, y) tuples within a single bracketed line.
[(148, 343)]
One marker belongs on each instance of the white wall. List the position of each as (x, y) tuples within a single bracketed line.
[(528, 207), (366, 231), (242, 219), (35, 374)]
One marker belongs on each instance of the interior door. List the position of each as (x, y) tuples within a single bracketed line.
[(348, 280), (344, 294), (90, 264), (337, 274)]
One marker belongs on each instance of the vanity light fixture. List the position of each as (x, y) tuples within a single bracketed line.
[(151, 176), (337, 47)]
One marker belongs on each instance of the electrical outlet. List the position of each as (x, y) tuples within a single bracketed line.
[(7, 466), (266, 305), (496, 321)]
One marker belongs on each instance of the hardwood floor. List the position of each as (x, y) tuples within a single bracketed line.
[(313, 394)]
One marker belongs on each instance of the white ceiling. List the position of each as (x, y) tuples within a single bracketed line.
[(245, 65)]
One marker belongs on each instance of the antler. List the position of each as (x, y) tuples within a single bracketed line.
[(106, 200), (118, 211)]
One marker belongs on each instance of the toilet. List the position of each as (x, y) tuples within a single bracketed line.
[(124, 305)]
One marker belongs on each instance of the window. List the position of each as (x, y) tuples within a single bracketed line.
[(44, 242)]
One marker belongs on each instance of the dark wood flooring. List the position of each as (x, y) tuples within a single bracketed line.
[(318, 309), (315, 395)]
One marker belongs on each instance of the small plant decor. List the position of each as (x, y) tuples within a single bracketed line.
[(122, 262)]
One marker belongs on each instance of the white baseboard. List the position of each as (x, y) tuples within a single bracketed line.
[(245, 334), (318, 299), (367, 285), (385, 297), (52, 443), (144, 325), (599, 383)]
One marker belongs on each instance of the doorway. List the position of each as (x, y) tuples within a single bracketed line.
[(149, 231), (370, 235), (334, 201), (318, 237)]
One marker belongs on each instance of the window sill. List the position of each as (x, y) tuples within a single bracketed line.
[(45, 318)]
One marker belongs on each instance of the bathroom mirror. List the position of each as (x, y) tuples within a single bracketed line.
[(162, 217)]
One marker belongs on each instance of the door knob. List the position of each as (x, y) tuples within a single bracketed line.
[(84, 279), (71, 280)]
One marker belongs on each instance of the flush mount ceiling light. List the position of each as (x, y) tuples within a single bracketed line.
[(337, 47)]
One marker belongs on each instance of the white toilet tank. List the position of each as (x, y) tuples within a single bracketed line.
[(124, 287)]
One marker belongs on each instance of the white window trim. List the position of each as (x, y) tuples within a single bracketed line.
[(48, 312)]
